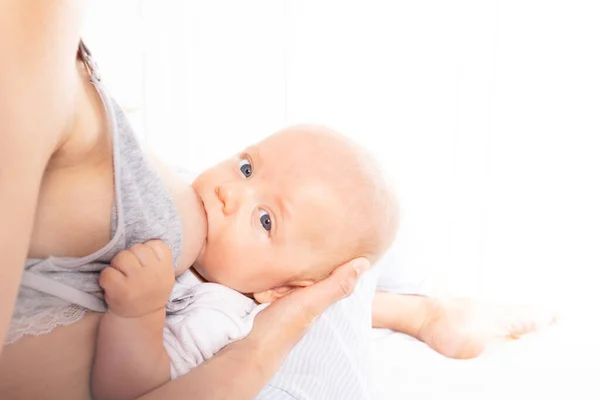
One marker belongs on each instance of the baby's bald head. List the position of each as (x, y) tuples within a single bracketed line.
[(367, 214), (292, 207)]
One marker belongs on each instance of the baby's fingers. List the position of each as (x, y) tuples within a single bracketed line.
[(112, 281), (161, 250), (126, 261)]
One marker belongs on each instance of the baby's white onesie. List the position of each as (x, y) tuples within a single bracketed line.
[(202, 318)]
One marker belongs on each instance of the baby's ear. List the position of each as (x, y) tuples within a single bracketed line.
[(269, 296)]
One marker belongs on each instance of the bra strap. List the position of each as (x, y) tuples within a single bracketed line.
[(58, 289), (84, 54)]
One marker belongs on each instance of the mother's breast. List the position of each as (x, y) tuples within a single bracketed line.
[(73, 216), (52, 366), (189, 208)]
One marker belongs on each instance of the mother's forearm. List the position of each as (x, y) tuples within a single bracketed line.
[(238, 372)]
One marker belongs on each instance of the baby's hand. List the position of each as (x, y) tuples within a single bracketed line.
[(139, 280)]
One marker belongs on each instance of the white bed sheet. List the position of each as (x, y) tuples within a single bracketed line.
[(561, 362)]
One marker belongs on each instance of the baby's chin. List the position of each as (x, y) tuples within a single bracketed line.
[(205, 275), (198, 272)]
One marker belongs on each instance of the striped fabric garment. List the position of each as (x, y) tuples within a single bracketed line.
[(332, 361)]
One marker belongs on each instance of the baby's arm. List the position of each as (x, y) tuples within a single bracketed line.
[(130, 357)]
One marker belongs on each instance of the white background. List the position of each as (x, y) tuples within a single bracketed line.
[(485, 113)]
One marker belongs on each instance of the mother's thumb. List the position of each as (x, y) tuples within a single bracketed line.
[(310, 302), (343, 280)]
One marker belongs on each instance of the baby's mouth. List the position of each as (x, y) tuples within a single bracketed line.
[(204, 212), (205, 219)]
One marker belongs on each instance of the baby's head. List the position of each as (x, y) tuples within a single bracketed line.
[(288, 210)]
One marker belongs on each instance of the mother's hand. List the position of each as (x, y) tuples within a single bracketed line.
[(284, 323), (244, 367)]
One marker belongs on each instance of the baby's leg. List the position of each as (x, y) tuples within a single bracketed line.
[(455, 327), (401, 302)]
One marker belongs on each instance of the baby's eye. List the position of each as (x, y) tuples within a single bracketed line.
[(245, 168), (265, 220)]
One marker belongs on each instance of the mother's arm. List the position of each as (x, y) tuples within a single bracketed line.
[(38, 42), (243, 368)]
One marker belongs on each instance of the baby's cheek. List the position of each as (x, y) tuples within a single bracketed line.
[(224, 268)]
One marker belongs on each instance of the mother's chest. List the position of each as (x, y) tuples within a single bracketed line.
[(74, 210)]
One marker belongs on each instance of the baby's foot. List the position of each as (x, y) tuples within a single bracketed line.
[(462, 328)]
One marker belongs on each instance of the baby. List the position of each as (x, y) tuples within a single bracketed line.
[(281, 215)]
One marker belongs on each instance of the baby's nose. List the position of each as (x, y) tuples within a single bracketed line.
[(227, 197)]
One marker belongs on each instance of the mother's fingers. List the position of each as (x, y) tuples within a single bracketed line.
[(340, 284), (285, 321)]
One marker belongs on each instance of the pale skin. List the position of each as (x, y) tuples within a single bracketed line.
[(259, 209), (55, 151), (254, 246)]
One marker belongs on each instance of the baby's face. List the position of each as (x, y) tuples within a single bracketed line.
[(270, 218)]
